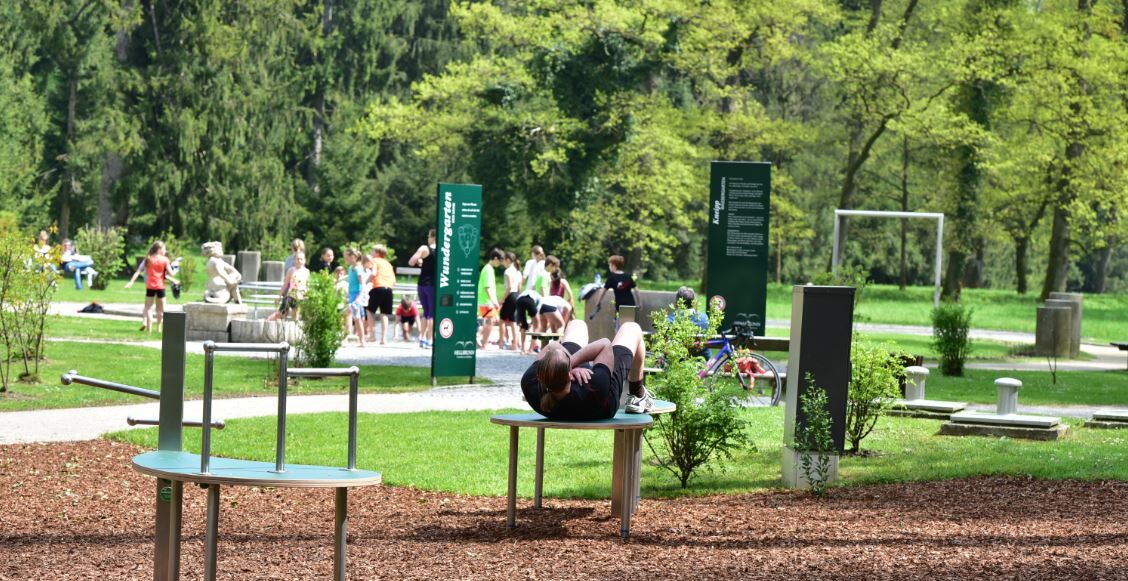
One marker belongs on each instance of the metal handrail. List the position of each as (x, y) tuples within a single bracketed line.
[(353, 373), (212, 346), (217, 424), (72, 376)]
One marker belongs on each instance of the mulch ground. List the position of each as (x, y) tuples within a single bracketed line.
[(77, 511)]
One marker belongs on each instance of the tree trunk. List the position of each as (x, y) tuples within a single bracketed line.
[(69, 185), (1057, 269), (904, 283), (312, 177), (1100, 275), (1021, 245)]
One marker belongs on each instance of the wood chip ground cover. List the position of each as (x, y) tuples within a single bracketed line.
[(77, 511)]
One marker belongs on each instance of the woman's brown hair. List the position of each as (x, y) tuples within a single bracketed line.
[(552, 373)]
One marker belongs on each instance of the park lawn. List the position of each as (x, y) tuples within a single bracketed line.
[(141, 367), (462, 453), (63, 327), (113, 293), (1073, 388)]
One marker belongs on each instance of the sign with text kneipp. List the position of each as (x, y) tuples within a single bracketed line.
[(458, 227), (737, 271)]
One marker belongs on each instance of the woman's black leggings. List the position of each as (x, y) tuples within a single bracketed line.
[(526, 309)]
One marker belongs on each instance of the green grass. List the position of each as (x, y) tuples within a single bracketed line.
[(113, 293), (1109, 388), (62, 327), (461, 452), (140, 366)]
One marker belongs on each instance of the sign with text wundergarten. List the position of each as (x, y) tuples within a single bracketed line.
[(458, 227), (737, 271)]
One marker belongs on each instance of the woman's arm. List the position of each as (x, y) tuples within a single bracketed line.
[(286, 283), (417, 258), (593, 351), (568, 296), (140, 269)]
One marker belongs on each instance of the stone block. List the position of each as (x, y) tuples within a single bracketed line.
[(1111, 416), (262, 331), (1052, 331), (945, 408), (1045, 434), (1077, 308), (248, 263), (793, 474), (229, 259), (206, 321), (273, 271), (1011, 420)]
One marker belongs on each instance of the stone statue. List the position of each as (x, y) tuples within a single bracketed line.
[(223, 279)]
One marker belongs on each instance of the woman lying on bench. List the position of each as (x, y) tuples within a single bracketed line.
[(577, 380)]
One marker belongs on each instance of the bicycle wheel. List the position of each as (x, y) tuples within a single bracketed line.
[(724, 378), (765, 389)]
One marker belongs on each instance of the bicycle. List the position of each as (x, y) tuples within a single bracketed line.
[(751, 377)]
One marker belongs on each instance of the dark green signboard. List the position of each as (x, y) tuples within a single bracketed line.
[(739, 207), (458, 228)]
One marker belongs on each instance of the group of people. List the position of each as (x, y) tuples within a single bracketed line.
[(69, 261)]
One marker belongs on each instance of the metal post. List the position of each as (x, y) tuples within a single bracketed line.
[(538, 485), (205, 439), (176, 506), (354, 387), (939, 259), (511, 508), (340, 533), (173, 340), (280, 446), (834, 251), (211, 535), (625, 500)]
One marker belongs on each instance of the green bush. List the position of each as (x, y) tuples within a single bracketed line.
[(25, 297), (950, 325), (875, 381), (706, 425), (106, 246), (814, 437), (322, 327)]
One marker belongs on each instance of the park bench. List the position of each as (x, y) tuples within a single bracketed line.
[(626, 457), (1120, 345), (174, 467)]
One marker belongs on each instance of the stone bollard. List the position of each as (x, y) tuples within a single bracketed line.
[(1006, 389), (1077, 306), (273, 270), (1052, 331), (248, 264), (229, 259), (917, 376)]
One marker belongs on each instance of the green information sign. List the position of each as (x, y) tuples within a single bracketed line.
[(739, 208), (458, 228)]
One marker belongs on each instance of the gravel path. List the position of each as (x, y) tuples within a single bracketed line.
[(78, 512)]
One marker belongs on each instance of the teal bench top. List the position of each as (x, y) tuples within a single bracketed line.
[(622, 420), (185, 467)]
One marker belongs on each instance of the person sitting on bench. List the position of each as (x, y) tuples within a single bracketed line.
[(576, 380)]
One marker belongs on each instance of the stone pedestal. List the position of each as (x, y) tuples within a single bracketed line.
[(1077, 309), (1006, 395), (601, 321), (1053, 328), (229, 259), (273, 271), (248, 264), (208, 322), (915, 405), (262, 331), (793, 474)]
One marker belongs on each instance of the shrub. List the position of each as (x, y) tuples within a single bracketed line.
[(814, 438), (950, 325), (875, 381), (106, 246), (706, 426), (322, 327), (25, 296)]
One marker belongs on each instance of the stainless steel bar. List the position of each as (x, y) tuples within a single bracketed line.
[(72, 376), (511, 507), (205, 438), (217, 424), (626, 500), (282, 347), (354, 389), (340, 533), (280, 446), (175, 514), (538, 484), (211, 536), (323, 371)]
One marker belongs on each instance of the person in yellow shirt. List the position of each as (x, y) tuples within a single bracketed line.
[(380, 298)]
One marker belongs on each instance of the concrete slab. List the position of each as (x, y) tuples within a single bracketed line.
[(1106, 425), (1015, 420), (1111, 416), (930, 405), (1044, 434)]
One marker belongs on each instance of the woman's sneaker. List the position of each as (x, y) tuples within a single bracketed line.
[(640, 405)]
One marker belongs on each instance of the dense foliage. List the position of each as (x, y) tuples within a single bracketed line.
[(590, 124), (875, 376), (323, 328)]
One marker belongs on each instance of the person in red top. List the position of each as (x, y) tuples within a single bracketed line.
[(156, 268), (407, 312)]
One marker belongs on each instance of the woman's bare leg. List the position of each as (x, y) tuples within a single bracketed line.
[(145, 316), (629, 335), (576, 332), (160, 313)]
